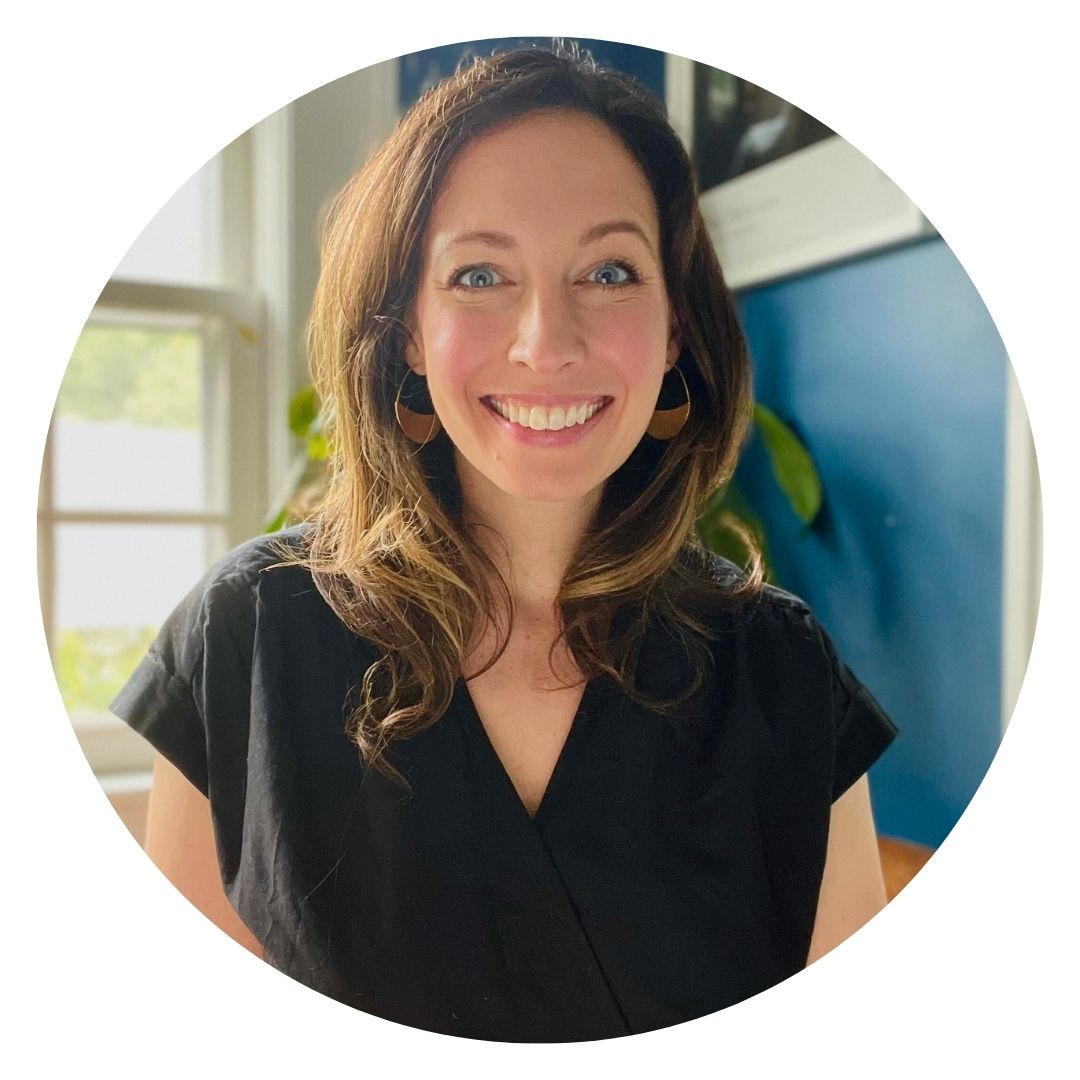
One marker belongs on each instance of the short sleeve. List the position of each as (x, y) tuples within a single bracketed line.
[(818, 707), (190, 695), (862, 729)]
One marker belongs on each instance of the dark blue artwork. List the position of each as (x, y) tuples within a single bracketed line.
[(420, 70)]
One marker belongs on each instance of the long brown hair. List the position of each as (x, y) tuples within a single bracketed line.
[(390, 545)]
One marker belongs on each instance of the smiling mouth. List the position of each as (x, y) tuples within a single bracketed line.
[(547, 417)]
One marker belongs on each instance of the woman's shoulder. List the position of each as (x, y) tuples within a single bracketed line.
[(744, 607), (752, 629), (773, 633), (219, 610), (243, 566), (775, 640), (229, 588)]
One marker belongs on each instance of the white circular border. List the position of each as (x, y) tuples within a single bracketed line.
[(109, 107)]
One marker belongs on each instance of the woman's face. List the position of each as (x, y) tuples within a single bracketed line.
[(542, 321)]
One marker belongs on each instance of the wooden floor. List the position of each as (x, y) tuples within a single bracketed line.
[(901, 860)]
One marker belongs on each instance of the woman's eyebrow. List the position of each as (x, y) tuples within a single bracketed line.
[(505, 242), (480, 236), (606, 228)]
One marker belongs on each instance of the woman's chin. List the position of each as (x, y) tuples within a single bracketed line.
[(490, 478), (556, 493)]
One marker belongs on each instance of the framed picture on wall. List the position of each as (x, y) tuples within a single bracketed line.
[(781, 192)]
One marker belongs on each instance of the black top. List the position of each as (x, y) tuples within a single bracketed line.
[(672, 868)]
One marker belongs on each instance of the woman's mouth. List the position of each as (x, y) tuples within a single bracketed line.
[(547, 417)]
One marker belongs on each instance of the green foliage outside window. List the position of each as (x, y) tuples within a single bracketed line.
[(124, 374), (92, 664)]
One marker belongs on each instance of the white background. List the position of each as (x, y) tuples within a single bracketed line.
[(109, 107)]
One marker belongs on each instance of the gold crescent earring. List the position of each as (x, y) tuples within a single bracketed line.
[(667, 423), (419, 427)]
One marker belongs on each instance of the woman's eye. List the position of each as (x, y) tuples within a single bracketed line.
[(612, 273), (476, 277)]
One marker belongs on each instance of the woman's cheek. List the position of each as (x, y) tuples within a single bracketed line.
[(457, 356), (463, 344), (636, 351)]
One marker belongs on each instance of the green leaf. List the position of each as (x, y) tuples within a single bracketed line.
[(791, 464), (726, 509), (277, 521), (715, 503), (735, 503), (318, 447), (303, 411)]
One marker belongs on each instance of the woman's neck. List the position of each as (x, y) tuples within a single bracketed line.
[(530, 542)]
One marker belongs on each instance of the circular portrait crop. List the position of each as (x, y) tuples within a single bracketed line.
[(539, 571)]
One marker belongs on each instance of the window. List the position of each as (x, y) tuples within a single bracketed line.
[(154, 467), (169, 443)]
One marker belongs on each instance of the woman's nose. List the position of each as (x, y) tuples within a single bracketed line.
[(548, 335)]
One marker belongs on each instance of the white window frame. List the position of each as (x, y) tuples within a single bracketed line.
[(1022, 547)]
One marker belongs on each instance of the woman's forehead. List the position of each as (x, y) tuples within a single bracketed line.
[(553, 170)]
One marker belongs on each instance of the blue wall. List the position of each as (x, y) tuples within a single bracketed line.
[(893, 374)]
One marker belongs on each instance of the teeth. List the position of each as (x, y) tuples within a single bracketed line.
[(538, 418)]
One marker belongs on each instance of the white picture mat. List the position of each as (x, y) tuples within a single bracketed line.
[(820, 204)]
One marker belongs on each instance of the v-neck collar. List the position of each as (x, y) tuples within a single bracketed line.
[(494, 770)]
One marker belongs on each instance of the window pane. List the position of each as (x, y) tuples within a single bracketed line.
[(130, 425), (115, 585)]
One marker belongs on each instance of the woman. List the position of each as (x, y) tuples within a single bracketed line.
[(490, 746)]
